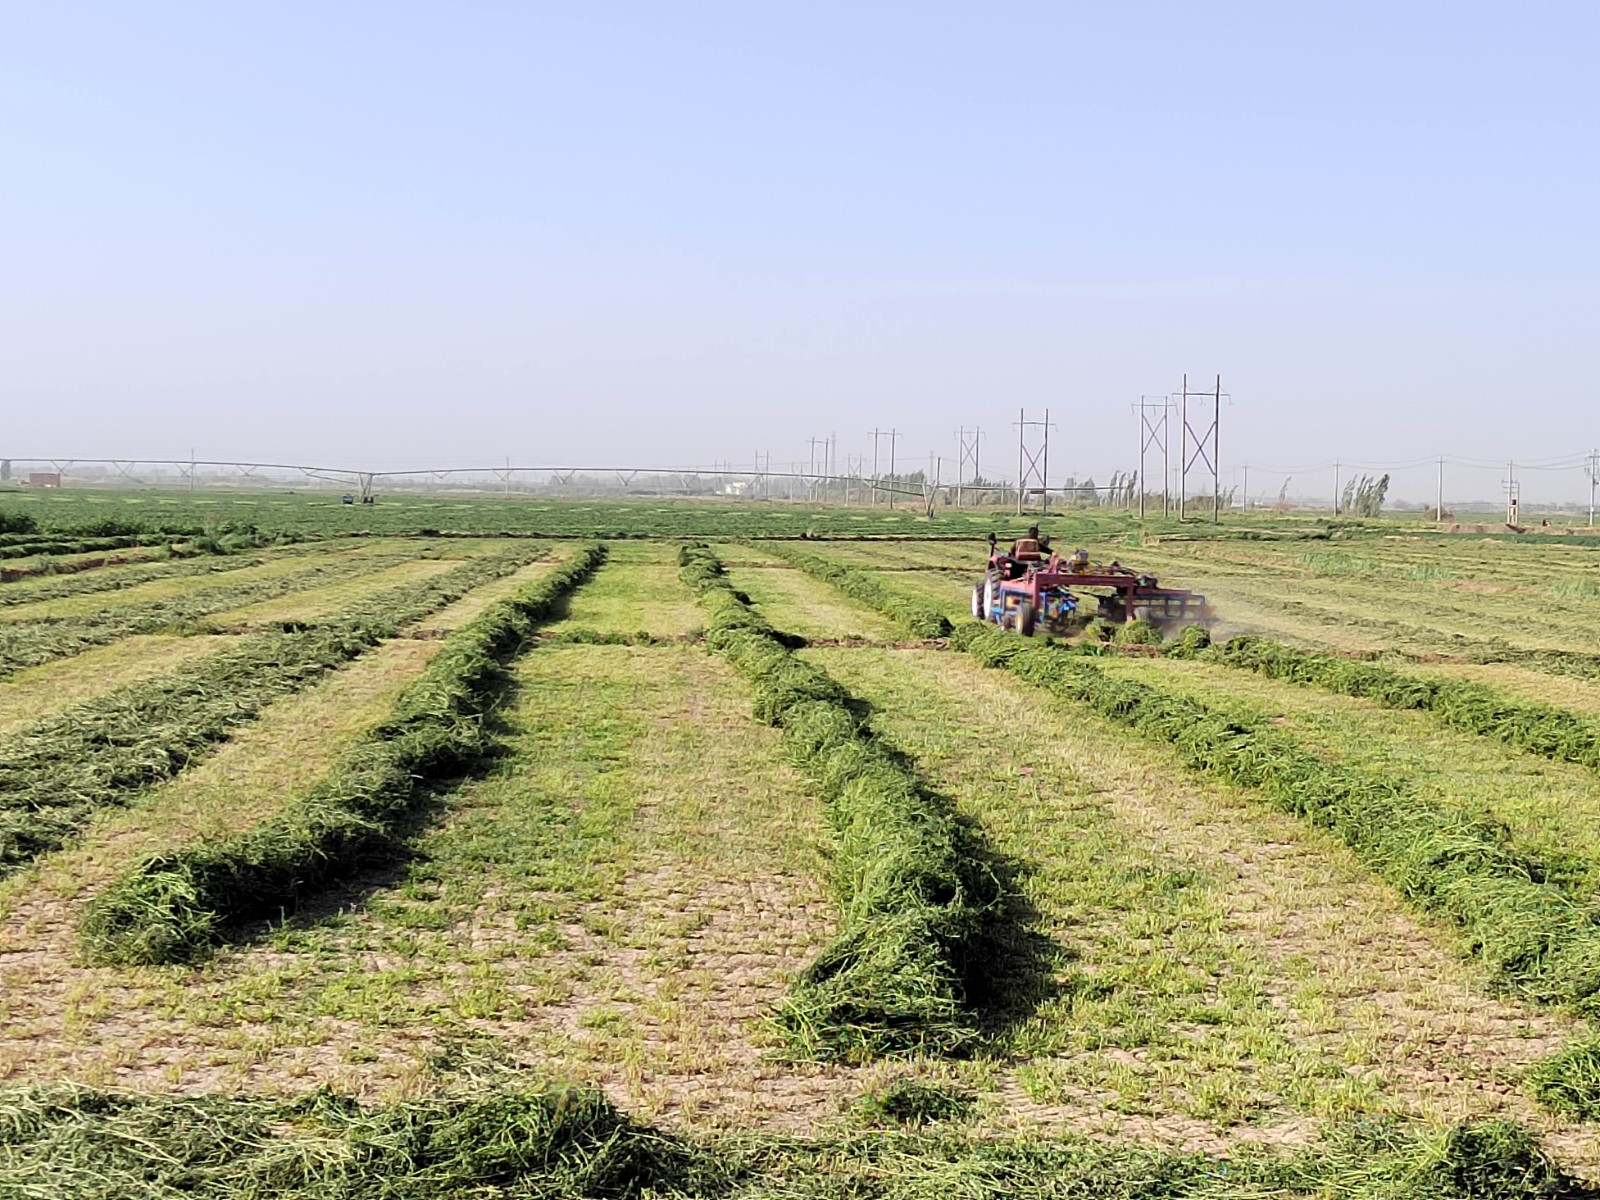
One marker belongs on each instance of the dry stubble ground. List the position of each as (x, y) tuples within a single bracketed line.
[(625, 897)]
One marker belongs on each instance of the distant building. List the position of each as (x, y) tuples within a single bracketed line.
[(44, 479)]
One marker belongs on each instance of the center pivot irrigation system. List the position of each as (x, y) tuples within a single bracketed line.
[(822, 484)]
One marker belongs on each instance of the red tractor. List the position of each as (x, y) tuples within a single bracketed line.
[(1030, 588)]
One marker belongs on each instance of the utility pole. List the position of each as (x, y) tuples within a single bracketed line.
[(894, 436), (1513, 495), (1592, 470), (1247, 487), (812, 479), (1439, 512), (1336, 488), (1033, 462), (876, 434)]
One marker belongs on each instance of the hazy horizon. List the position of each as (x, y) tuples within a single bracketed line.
[(408, 236)]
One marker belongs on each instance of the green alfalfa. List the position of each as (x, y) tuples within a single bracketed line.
[(1472, 707), (561, 1143), (914, 893), (173, 907), (1535, 941), (564, 1143), (53, 775), (1568, 1081), (31, 643), (917, 618)]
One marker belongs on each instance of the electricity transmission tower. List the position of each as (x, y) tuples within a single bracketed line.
[(1199, 445), (894, 435), (1153, 411), (968, 440), (1033, 459), (1513, 494)]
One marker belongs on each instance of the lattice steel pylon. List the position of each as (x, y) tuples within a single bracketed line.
[(1153, 435), (1033, 461), (968, 439), (1205, 446)]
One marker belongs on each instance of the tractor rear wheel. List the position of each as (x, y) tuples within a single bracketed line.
[(988, 599), (977, 601), (1025, 618)]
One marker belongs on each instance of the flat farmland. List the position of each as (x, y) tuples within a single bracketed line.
[(696, 862)]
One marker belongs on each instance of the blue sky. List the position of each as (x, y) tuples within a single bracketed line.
[(410, 234)]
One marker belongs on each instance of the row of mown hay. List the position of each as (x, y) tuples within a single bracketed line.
[(915, 894), (54, 774), (174, 906), (1536, 942), (572, 1144), (80, 577), (34, 642), (1473, 707), (919, 619)]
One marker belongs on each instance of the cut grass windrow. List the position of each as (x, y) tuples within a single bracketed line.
[(1474, 707), (31, 643), (919, 619), (174, 906), (1535, 941), (64, 584), (916, 896), (573, 1144), (53, 775)]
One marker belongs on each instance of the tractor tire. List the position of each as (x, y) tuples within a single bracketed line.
[(1025, 619), (988, 598), (977, 602)]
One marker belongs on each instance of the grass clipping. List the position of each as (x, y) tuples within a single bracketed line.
[(174, 906), (56, 773), (915, 895), (919, 619), (511, 1143), (1472, 707), (1536, 942)]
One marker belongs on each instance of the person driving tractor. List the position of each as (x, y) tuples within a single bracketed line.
[(1027, 548)]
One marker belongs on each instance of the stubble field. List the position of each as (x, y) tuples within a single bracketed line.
[(547, 862)]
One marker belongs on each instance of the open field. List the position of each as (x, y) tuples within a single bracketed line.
[(328, 862)]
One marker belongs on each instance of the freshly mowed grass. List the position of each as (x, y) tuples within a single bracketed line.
[(621, 901), (64, 1019), (49, 690), (1578, 695), (178, 906), (637, 591), (1219, 970), (291, 742), (319, 602), (947, 590), (453, 616), (1433, 612), (497, 1134), (1552, 809), (909, 556), (279, 567), (798, 604)]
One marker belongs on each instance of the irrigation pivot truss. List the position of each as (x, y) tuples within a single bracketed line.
[(798, 484)]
